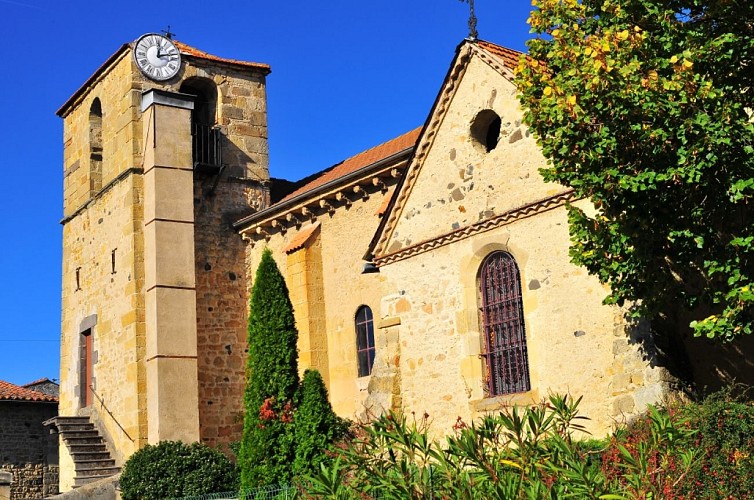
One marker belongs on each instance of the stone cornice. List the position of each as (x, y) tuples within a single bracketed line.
[(508, 217), (493, 62)]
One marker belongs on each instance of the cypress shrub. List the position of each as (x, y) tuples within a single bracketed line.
[(316, 425), (267, 447)]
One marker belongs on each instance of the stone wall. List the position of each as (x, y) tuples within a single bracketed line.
[(325, 280), (27, 449), (221, 308), (104, 248), (466, 201), (31, 481), (109, 301), (120, 97)]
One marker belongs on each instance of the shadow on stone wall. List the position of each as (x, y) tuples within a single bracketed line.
[(699, 366)]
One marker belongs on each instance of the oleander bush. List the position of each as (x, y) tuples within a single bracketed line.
[(681, 451), (172, 469), (719, 432)]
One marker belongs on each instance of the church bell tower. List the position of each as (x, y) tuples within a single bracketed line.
[(164, 147)]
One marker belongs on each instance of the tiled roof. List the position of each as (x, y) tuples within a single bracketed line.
[(509, 56), (301, 238), (200, 54), (361, 160), (39, 381), (385, 202), (12, 392)]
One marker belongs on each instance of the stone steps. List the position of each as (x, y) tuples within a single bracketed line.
[(91, 459)]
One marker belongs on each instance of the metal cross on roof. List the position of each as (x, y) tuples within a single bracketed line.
[(473, 34), (170, 35)]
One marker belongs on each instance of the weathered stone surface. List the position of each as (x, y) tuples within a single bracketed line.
[(105, 255)]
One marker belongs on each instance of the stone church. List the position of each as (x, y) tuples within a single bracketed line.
[(429, 273)]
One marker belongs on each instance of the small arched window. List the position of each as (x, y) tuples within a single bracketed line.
[(505, 354), (95, 147), (365, 340)]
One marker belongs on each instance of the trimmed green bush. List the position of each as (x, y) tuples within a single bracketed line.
[(267, 447), (174, 469), (316, 425)]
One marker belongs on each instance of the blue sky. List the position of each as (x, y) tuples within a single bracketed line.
[(345, 76)]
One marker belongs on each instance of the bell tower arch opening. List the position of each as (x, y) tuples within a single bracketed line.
[(205, 135)]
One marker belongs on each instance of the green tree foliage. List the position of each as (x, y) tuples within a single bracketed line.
[(267, 447), (173, 469), (644, 108), (287, 426), (518, 454), (316, 425)]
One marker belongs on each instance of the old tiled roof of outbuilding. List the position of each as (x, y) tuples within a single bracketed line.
[(361, 160), (42, 380), (12, 392)]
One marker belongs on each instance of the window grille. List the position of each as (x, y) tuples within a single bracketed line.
[(365, 340), (505, 355), (207, 147)]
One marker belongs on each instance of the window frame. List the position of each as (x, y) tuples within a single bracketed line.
[(505, 357), (365, 345)]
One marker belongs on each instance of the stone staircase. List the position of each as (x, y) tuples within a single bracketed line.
[(91, 458)]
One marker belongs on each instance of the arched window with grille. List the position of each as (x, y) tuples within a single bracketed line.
[(502, 315), (364, 340)]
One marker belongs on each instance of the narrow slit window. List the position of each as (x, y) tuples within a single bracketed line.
[(112, 261), (95, 147), (78, 278)]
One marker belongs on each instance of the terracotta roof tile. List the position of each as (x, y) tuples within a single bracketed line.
[(385, 202), (13, 392), (200, 54), (301, 238), (509, 56), (361, 160)]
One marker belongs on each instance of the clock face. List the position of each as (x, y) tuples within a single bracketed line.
[(157, 57)]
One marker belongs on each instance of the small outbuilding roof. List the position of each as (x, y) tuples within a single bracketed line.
[(13, 392)]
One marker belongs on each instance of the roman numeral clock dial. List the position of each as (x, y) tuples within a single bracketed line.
[(157, 57)]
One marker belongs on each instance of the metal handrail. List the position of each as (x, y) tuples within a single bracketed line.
[(110, 413)]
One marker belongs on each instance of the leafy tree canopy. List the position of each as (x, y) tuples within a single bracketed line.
[(644, 108)]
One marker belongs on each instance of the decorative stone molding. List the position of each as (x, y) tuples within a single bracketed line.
[(482, 226)]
